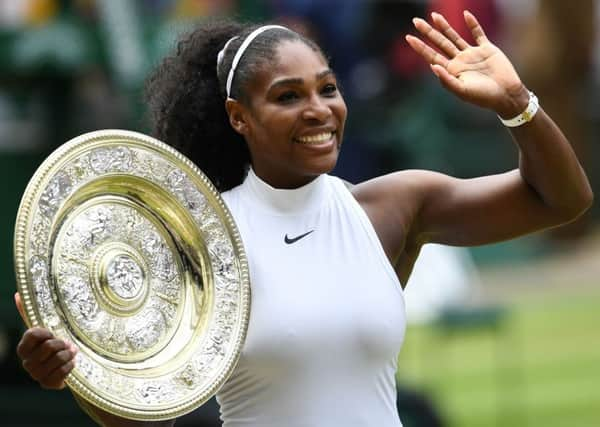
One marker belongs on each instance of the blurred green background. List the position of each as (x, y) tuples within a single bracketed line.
[(513, 340), (535, 366)]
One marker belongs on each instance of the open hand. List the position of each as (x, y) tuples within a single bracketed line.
[(47, 359), (479, 74)]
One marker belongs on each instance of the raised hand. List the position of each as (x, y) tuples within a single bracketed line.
[(47, 359), (479, 74)]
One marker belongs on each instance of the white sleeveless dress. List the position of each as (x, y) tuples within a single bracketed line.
[(327, 318)]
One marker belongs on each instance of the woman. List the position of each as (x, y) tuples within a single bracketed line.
[(326, 263)]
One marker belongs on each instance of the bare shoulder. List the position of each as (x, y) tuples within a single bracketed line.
[(401, 206), (407, 186), (392, 203)]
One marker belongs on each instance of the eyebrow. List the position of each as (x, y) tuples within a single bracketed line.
[(298, 80)]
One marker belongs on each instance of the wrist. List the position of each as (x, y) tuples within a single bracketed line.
[(524, 117), (515, 104)]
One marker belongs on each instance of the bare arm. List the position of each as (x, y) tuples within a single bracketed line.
[(410, 208)]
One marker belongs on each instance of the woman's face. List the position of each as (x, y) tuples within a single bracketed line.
[(295, 121)]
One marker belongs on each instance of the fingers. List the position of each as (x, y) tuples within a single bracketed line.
[(56, 379), (32, 338), (19, 304), (430, 55), (443, 25), (40, 369), (437, 38), (46, 350), (447, 80), (47, 359), (445, 38), (476, 30)]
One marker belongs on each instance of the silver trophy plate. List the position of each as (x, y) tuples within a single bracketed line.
[(125, 248)]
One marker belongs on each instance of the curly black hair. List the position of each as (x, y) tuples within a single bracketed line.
[(186, 95)]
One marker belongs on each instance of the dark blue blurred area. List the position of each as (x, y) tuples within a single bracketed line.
[(69, 67)]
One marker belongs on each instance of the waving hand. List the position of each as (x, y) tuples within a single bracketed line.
[(479, 74)]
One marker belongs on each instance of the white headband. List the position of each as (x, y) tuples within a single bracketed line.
[(240, 52)]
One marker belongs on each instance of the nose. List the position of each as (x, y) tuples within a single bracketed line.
[(317, 109)]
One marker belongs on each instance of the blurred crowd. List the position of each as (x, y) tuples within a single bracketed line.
[(72, 66), (68, 67)]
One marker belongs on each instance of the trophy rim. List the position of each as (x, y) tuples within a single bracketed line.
[(33, 318)]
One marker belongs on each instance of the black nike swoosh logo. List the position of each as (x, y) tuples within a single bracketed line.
[(289, 241)]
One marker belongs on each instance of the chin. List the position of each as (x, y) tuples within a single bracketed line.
[(324, 165)]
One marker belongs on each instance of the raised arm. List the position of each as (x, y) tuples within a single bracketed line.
[(549, 188)]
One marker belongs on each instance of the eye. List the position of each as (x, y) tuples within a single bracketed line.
[(329, 89), (287, 97)]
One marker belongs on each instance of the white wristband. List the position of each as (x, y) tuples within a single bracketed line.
[(525, 116)]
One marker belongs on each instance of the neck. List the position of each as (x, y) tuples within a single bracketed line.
[(286, 200), (285, 182)]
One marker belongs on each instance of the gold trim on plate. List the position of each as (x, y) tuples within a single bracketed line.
[(124, 247)]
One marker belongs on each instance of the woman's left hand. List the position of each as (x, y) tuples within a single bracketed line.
[(479, 74)]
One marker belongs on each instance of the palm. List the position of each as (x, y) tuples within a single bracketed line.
[(485, 73), (479, 74)]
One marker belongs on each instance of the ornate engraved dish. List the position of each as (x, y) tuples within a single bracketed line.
[(125, 248)]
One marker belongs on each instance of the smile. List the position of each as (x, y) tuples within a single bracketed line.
[(315, 139)]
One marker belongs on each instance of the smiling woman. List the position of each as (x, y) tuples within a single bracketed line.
[(281, 99), (294, 124), (187, 92), (259, 111)]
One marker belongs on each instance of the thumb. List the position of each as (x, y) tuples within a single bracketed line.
[(20, 308), (450, 82)]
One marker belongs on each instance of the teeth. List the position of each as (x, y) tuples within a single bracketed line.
[(316, 139)]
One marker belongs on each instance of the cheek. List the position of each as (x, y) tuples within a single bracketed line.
[(282, 125), (341, 112), (340, 108), (276, 119)]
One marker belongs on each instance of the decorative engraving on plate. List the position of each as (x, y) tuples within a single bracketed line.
[(124, 276), (110, 159), (188, 376), (187, 193), (59, 187), (109, 283), (154, 392), (113, 282), (38, 240)]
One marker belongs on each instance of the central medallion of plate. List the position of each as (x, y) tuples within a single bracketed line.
[(121, 287), (124, 277)]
